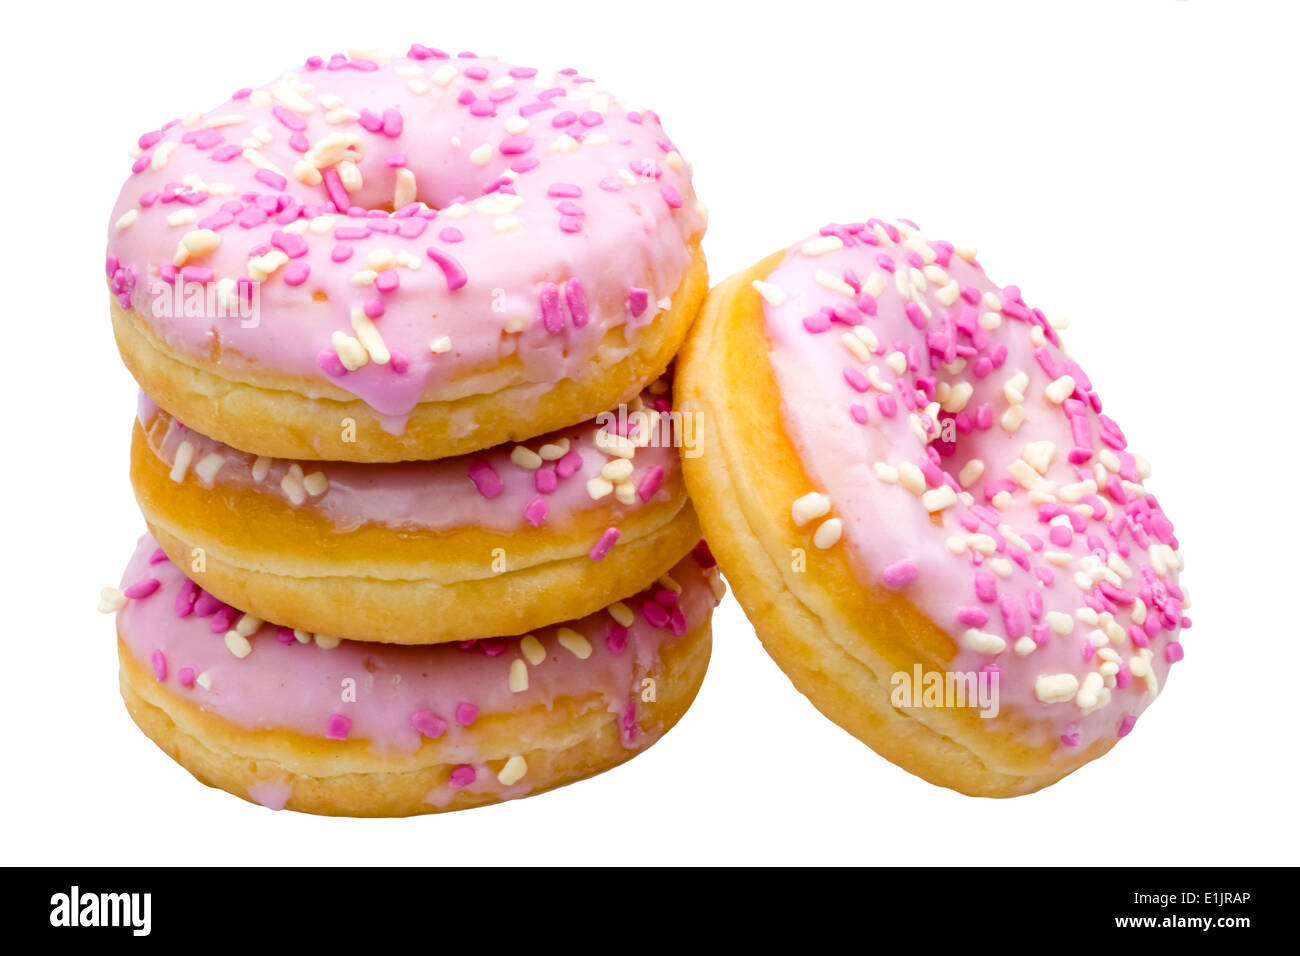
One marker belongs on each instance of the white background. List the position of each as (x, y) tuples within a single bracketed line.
[(1130, 165)]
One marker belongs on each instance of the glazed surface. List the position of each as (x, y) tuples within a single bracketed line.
[(258, 676), (540, 483), (408, 222), (964, 461)]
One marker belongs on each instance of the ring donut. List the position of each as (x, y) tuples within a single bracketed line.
[(478, 546), (913, 488), (283, 719), (391, 258)]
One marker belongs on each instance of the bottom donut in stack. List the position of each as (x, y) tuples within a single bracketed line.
[(285, 719)]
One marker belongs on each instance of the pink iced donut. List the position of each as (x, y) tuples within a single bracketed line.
[(910, 484), (378, 258), (289, 719)]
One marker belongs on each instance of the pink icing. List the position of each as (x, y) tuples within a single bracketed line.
[(485, 489), (1022, 538), (402, 694), (508, 230)]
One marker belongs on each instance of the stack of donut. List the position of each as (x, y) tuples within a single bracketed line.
[(407, 449), (418, 534)]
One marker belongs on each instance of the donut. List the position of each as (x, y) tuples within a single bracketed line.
[(384, 258), (477, 546), (288, 719), (918, 500)]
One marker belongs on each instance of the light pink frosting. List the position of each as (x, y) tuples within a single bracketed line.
[(999, 573), (562, 215), (487, 489), (402, 693)]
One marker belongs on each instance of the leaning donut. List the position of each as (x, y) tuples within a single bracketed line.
[(904, 474), (388, 258)]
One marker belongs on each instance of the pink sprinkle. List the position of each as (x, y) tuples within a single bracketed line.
[(466, 713), (142, 589), (549, 301), (1173, 652), (649, 484), (1070, 739), (159, 663), (637, 300), (341, 253), (545, 480), (451, 269), (222, 619), (338, 727), (429, 724), (536, 511), (451, 234), (564, 190), (185, 598), (671, 196), (616, 638), (858, 413), (1126, 725), (857, 381), (605, 544), (576, 299), (654, 613), (899, 574), (158, 556), (296, 273), (972, 616), (516, 145), (569, 464), (330, 363), (462, 776), (486, 479), (186, 676)]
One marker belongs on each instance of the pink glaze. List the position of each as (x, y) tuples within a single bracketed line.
[(1016, 569), (533, 232), (485, 489), (403, 694)]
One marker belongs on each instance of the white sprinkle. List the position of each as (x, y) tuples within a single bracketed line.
[(181, 463), (772, 295), (828, 532), (238, 644), (513, 771), (1056, 688), (518, 680), (810, 506), (573, 642)]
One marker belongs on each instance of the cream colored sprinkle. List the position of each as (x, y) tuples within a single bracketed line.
[(564, 143), (809, 506), (350, 351), (1013, 418), (958, 396), (621, 613), (291, 485), (617, 469), (248, 625), (513, 771), (516, 125), (828, 533), (261, 465), (874, 285), (554, 451), (1059, 623), (263, 267), (1060, 389), (238, 644), (444, 75), (877, 382), (532, 649), (110, 600), (316, 484), (181, 463), (912, 478), (856, 346), (208, 466), (1056, 688), (204, 680), (573, 642), (161, 154), (404, 188), (990, 321), (369, 338), (523, 457), (821, 245), (599, 487), (970, 472), (1025, 646), (481, 155), (833, 282), (181, 217), (301, 636), (772, 295), (326, 643), (936, 499), (440, 345), (886, 472), (127, 219), (982, 642), (518, 680)]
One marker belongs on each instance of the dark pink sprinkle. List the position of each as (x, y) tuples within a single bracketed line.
[(650, 483), (1070, 739), (899, 574), (1126, 725), (142, 589), (549, 301), (671, 196), (205, 604), (330, 363), (576, 299), (616, 638), (158, 556), (462, 776), (486, 480), (1173, 652), (392, 125), (654, 613), (545, 480), (451, 269), (536, 511), (569, 464), (159, 663), (338, 727), (296, 273), (466, 713), (186, 676), (222, 619), (637, 300), (605, 544), (185, 598), (428, 724), (516, 145)]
